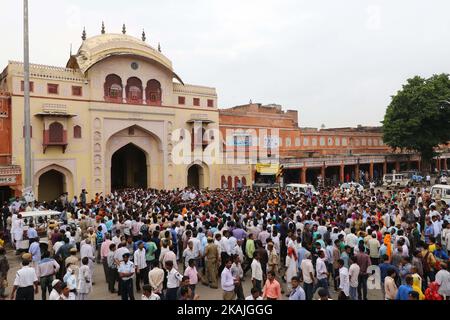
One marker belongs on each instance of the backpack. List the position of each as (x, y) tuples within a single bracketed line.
[(99, 237)]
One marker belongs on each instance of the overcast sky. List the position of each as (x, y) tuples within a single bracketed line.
[(335, 61)]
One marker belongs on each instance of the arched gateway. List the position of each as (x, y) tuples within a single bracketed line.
[(134, 159)]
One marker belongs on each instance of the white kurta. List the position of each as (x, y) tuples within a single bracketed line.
[(344, 281), (86, 250), (291, 271), (17, 229), (84, 280)]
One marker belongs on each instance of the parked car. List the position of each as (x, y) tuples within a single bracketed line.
[(299, 188), (40, 219), (442, 190), (396, 180), (349, 185)]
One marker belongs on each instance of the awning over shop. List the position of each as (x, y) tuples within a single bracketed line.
[(267, 169)]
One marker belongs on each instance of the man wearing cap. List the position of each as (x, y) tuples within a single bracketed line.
[(73, 260), (173, 280), (211, 259), (55, 294), (25, 279), (88, 251), (45, 271), (126, 271)]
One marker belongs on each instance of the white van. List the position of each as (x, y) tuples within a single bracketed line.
[(40, 220), (442, 190), (395, 180), (300, 188)]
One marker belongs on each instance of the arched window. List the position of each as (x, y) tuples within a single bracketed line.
[(244, 181), (153, 92), (288, 142), (113, 88), (230, 182), (56, 132), (236, 181), (134, 90), (77, 132)]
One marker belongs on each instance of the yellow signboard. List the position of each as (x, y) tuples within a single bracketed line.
[(266, 169)]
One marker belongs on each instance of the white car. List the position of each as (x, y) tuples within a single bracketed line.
[(300, 188), (349, 185), (396, 180), (441, 191)]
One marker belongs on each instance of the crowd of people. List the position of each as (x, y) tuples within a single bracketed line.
[(336, 244)]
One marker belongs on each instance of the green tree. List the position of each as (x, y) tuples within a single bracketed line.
[(418, 118)]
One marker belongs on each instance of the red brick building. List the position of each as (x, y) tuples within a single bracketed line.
[(339, 154), (10, 175)]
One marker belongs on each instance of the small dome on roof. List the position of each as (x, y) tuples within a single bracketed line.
[(100, 47)]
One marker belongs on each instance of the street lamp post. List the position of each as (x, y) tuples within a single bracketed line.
[(26, 93)]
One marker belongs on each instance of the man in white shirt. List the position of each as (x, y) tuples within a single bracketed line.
[(443, 280), (55, 294), (25, 279), (127, 228), (189, 253), (126, 271), (351, 239), (255, 295), (120, 251), (321, 271), (307, 270), (141, 266), (353, 273), (344, 279), (88, 251), (228, 282), (148, 293), (257, 273), (173, 281)]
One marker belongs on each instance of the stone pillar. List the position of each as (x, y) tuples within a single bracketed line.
[(357, 175), (438, 165), (397, 166), (303, 175), (445, 164), (371, 171), (419, 165), (253, 176), (342, 173), (385, 167), (322, 172)]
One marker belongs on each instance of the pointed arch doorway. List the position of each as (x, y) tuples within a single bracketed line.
[(129, 168)]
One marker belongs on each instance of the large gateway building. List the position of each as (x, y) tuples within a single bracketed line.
[(105, 121), (118, 116)]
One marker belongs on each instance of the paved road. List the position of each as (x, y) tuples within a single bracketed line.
[(100, 290)]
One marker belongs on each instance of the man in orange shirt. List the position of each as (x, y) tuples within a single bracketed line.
[(272, 288)]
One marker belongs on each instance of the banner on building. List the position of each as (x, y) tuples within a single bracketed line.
[(267, 169)]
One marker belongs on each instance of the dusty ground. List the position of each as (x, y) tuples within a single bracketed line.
[(100, 290)]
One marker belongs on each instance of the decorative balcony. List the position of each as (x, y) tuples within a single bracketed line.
[(55, 136)]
